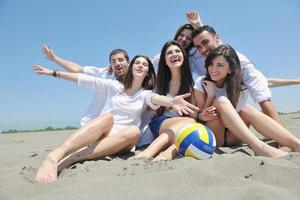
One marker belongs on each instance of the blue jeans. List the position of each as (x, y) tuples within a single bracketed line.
[(155, 124)]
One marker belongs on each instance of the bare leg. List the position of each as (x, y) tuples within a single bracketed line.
[(270, 128), (167, 136), (122, 141), (86, 135), (236, 125)]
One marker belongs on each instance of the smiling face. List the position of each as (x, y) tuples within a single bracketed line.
[(185, 38), (119, 64), (205, 42), (218, 70), (140, 68), (174, 57)]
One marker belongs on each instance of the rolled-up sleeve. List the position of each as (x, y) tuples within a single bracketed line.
[(93, 83), (254, 80), (148, 97)]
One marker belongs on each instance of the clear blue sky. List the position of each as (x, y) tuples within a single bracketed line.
[(267, 32)]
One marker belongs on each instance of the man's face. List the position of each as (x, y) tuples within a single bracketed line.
[(119, 65), (205, 42)]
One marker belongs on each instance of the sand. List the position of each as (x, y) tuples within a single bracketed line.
[(233, 174)]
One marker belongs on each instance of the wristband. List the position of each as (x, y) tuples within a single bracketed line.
[(198, 119), (54, 73), (197, 116)]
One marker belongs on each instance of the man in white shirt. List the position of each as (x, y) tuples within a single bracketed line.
[(206, 39), (119, 62)]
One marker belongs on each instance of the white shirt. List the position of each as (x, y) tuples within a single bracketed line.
[(253, 79), (100, 97), (222, 92), (126, 110)]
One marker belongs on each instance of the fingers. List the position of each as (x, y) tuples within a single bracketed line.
[(183, 96), (189, 105)]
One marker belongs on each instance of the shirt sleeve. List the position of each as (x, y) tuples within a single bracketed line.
[(97, 84), (198, 84), (255, 81), (95, 71), (155, 62), (148, 97)]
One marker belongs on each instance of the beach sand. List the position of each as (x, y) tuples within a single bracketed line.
[(233, 174)]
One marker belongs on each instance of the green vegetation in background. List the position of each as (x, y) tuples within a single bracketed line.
[(285, 113), (49, 128)]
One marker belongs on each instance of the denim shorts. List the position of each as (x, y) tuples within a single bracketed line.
[(155, 124)]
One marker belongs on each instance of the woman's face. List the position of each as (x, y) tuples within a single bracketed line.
[(140, 67), (185, 38), (218, 70), (174, 57)]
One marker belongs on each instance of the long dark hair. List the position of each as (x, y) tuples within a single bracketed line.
[(164, 74), (180, 29), (149, 80), (234, 78)]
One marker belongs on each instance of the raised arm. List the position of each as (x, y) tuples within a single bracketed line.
[(40, 70), (178, 103), (277, 82), (194, 19), (66, 64)]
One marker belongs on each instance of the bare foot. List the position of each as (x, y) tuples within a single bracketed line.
[(47, 171), (161, 157), (143, 154), (270, 151)]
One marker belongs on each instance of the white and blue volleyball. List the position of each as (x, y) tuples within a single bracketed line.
[(196, 140)]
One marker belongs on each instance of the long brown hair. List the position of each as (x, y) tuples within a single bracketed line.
[(164, 75), (149, 80), (233, 79)]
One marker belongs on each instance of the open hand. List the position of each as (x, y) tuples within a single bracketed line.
[(48, 51), (182, 106), (194, 19), (40, 70)]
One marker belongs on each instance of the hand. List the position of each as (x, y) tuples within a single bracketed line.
[(209, 114), (194, 19), (209, 88), (109, 70), (48, 51), (42, 70), (182, 106)]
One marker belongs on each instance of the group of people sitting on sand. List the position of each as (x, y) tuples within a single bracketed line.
[(144, 102)]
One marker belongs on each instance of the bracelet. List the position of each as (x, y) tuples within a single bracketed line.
[(198, 119), (197, 116), (54, 73)]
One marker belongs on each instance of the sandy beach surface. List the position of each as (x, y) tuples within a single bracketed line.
[(232, 173)]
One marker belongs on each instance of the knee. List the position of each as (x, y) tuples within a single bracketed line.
[(189, 120), (221, 101), (133, 133), (109, 118), (247, 110)]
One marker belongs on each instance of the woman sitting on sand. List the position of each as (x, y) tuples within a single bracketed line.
[(225, 74), (116, 129), (173, 78), (222, 87)]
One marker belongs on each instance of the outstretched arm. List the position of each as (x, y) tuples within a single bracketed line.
[(194, 19), (277, 82), (178, 103), (66, 64), (40, 70)]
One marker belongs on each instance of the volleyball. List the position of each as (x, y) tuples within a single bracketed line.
[(196, 140)]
